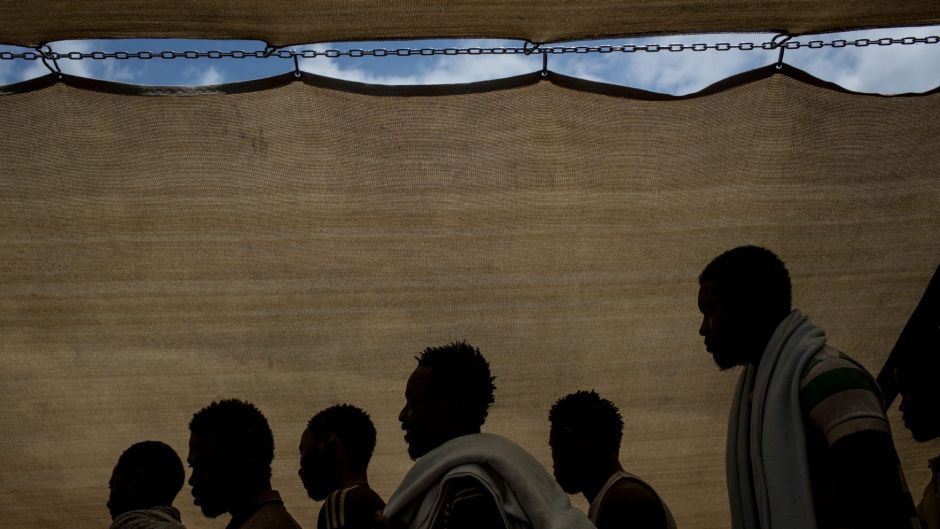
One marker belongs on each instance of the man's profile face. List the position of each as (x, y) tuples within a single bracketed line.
[(120, 496), (316, 471), (920, 402), (727, 330), (426, 417), (212, 479), (566, 460)]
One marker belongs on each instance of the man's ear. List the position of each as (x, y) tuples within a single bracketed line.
[(136, 483), (585, 444), (332, 442)]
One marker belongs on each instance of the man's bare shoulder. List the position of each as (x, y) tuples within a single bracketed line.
[(632, 503)]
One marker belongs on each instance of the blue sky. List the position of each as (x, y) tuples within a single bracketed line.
[(875, 69)]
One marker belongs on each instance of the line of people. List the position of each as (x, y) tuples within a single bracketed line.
[(462, 478), (809, 444)]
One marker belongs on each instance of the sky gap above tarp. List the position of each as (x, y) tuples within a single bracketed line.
[(573, 83), (879, 61), (282, 23)]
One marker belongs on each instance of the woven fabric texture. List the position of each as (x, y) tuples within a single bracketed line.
[(297, 247), (281, 22)]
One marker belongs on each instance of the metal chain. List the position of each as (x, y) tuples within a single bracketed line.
[(408, 52)]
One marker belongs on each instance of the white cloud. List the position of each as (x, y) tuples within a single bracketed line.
[(328, 67), (81, 67), (120, 73), (18, 70), (105, 69), (875, 69), (663, 71), (15, 71), (207, 76), (35, 69)]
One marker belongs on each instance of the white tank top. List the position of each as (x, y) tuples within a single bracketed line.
[(617, 476)]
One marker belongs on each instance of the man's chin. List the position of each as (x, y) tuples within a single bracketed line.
[(211, 511), (416, 448), (316, 495), (726, 361), (415, 453), (567, 486), (212, 514), (923, 435)]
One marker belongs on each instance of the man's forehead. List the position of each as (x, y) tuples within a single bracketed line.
[(711, 293), (306, 437), (310, 439), (420, 379), (707, 288), (562, 431), (203, 446)]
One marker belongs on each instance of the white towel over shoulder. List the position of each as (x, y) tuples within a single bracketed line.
[(767, 467), (159, 517), (527, 494)]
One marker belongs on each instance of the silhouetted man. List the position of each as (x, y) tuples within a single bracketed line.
[(335, 450), (230, 451), (585, 436), (919, 384), (144, 483), (808, 441), (463, 478)]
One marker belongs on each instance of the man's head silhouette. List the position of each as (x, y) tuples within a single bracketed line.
[(919, 385), (447, 396), (744, 294), (230, 451), (147, 474), (585, 436), (338, 441)]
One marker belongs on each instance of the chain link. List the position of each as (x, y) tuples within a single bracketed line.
[(500, 50)]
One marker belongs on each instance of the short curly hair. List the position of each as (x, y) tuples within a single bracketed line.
[(353, 426), (585, 414), (159, 465), (461, 372), (752, 272), (243, 429)]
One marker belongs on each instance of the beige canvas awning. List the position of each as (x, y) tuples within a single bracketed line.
[(297, 246)]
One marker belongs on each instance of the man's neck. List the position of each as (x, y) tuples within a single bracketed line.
[(760, 345), (598, 477), (350, 478), (247, 500), (460, 431)]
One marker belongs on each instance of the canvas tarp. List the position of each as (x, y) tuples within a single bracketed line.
[(297, 247), (280, 23)]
